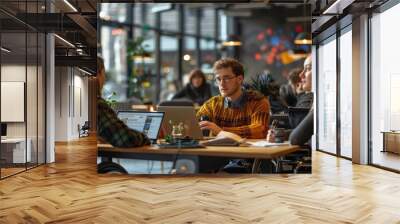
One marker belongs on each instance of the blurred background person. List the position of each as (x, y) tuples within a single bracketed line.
[(197, 90), (288, 92)]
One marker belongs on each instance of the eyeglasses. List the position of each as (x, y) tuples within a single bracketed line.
[(218, 80)]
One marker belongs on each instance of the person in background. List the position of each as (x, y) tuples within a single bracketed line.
[(288, 92), (303, 132), (109, 127), (197, 90), (305, 98), (243, 112)]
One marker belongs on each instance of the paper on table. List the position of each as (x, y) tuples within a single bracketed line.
[(266, 144), (225, 134)]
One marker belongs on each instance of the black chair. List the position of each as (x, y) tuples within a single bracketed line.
[(299, 161), (84, 129), (282, 120)]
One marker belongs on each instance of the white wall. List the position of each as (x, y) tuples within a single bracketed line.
[(71, 102)]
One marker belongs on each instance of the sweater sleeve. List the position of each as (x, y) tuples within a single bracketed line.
[(206, 110), (259, 122)]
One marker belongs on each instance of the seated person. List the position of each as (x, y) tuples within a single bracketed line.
[(243, 112), (288, 91), (303, 132), (109, 127), (197, 90), (305, 97)]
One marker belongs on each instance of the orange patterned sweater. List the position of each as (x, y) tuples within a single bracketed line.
[(249, 121)]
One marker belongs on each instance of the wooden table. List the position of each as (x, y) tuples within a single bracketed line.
[(169, 154)]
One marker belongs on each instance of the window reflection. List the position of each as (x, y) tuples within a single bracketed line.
[(327, 96)]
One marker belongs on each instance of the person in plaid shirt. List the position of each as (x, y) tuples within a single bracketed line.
[(109, 127)]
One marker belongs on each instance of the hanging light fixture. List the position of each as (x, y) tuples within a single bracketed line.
[(232, 41), (5, 49), (303, 38)]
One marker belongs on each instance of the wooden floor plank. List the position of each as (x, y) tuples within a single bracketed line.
[(71, 191)]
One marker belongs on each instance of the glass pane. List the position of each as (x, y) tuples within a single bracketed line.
[(114, 12), (150, 17), (169, 20), (190, 21), (32, 98), (346, 94), (41, 99), (207, 55), (169, 75), (142, 84), (385, 84), (327, 97), (137, 13), (114, 42), (189, 57), (207, 22), (223, 26), (13, 72)]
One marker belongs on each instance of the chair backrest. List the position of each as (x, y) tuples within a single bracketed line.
[(296, 115), (176, 102), (282, 119), (86, 125)]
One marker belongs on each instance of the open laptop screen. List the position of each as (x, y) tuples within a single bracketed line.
[(147, 122)]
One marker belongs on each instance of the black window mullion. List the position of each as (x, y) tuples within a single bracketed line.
[(181, 27), (338, 98), (158, 56), (198, 31)]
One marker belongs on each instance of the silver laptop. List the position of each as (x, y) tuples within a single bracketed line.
[(148, 123), (184, 114)]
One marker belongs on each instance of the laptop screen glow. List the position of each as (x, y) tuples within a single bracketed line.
[(147, 122)]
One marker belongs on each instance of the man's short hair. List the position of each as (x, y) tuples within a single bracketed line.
[(235, 65), (294, 76)]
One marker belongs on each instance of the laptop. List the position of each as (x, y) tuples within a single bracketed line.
[(184, 114), (148, 123)]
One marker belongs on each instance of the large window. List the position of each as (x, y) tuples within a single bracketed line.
[(385, 84), (327, 96), (346, 94), (125, 77), (169, 69), (189, 56), (114, 12), (114, 51), (208, 22)]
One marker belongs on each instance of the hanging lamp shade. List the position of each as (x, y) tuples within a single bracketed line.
[(303, 38), (232, 41)]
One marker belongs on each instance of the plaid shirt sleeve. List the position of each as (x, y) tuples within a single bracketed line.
[(114, 131)]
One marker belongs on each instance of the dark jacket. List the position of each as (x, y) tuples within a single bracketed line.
[(111, 129), (287, 93), (197, 95), (303, 132), (305, 99)]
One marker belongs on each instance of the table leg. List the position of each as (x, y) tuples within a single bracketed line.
[(256, 166)]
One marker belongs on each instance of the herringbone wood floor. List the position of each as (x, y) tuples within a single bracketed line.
[(70, 191)]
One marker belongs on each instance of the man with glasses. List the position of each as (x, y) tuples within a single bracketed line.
[(243, 112)]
